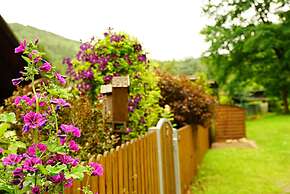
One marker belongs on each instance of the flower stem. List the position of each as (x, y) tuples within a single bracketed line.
[(35, 139)]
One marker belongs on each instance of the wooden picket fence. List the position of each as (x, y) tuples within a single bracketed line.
[(133, 168), (193, 144)]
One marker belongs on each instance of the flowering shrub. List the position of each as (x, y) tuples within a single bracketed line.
[(47, 163), (188, 101), (99, 60), (96, 137)]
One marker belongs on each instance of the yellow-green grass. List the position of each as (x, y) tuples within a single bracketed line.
[(265, 170)]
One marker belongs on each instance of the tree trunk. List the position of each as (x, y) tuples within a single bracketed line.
[(285, 101)]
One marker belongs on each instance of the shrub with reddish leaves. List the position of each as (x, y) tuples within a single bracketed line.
[(188, 101)]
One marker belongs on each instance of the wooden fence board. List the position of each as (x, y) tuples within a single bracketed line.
[(132, 168)]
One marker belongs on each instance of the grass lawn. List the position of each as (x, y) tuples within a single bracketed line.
[(265, 170)]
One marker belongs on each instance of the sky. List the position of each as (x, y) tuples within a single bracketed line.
[(167, 29)]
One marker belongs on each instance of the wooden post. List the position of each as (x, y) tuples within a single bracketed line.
[(116, 102)]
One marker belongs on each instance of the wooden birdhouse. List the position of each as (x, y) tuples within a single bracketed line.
[(116, 102)]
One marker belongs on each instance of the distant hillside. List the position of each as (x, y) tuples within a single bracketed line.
[(188, 66), (56, 47)]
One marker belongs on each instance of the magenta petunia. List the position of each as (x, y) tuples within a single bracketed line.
[(46, 67), (42, 147), (31, 150), (35, 190), (30, 164), (60, 102), (57, 178), (71, 129), (69, 183), (11, 159), (142, 58), (97, 170), (1, 150), (33, 120), (73, 146), (60, 78), (21, 47), (17, 81)]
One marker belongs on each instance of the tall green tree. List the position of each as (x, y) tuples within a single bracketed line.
[(250, 42)]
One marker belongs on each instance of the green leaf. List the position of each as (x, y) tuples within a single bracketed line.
[(76, 172), (56, 169), (54, 147), (8, 117), (3, 128), (42, 169), (26, 59), (13, 147)]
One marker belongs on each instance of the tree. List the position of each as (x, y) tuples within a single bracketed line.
[(250, 42)]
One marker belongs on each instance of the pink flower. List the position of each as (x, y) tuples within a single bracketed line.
[(35, 190), (30, 163), (11, 159), (33, 120), (46, 67), (98, 169), (60, 78), (42, 147), (60, 102), (73, 146), (57, 178), (25, 99), (31, 151), (1, 150), (21, 47), (71, 129), (17, 81), (68, 183)]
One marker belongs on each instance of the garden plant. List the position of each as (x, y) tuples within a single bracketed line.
[(46, 163)]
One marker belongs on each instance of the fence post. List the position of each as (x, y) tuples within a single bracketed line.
[(175, 141), (160, 167)]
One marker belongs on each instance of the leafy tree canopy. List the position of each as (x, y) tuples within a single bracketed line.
[(250, 42)]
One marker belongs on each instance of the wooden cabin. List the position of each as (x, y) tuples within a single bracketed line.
[(10, 63)]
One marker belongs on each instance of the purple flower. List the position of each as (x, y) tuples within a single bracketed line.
[(35, 190), (60, 78), (137, 47), (31, 151), (32, 53), (85, 46), (88, 74), (128, 129), (60, 102), (107, 79), (62, 140), (68, 183), (73, 146), (33, 120), (57, 178), (29, 164), (142, 58), (46, 67), (42, 147), (18, 173), (11, 159), (24, 98), (115, 38), (1, 150), (21, 47), (97, 169), (17, 81), (71, 129)]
